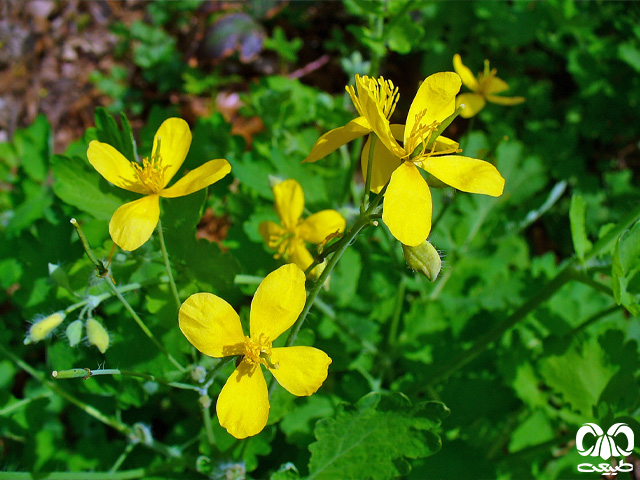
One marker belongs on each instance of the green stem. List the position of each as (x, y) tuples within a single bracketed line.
[(141, 324), (124, 475), (247, 280), (88, 409), (167, 265), (567, 273), (590, 282), (595, 317), (496, 332), (211, 376), (95, 300), (86, 373), (395, 321), (123, 456), (126, 430), (100, 268), (6, 411), (361, 223), (208, 427)]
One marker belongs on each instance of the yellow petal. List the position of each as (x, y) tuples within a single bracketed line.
[(271, 233), (114, 167), (288, 202), (407, 206), (175, 140), (243, 404), (277, 302), (211, 325), (133, 223), (197, 179), (371, 110), (320, 225), (473, 103), (337, 137), (384, 161), (496, 85), (468, 79), (466, 174), (445, 144), (300, 255), (436, 97), (301, 370), (505, 100)]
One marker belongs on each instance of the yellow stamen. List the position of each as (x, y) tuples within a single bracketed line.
[(382, 91), (485, 78), (258, 351), (151, 173)]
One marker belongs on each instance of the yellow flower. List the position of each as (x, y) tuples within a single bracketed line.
[(288, 239), (407, 201), (213, 327), (484, 89), (133, 223), (385, 97)]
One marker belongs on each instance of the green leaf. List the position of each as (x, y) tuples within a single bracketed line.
[(108, 132), (580, 374), (375, 438), (38, 200), (34, 146), (625, 264), (629, 53), (78, 185), (577, 211)]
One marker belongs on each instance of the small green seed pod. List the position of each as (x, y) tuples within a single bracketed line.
[(42, 328), (424, 259), (74, 332), (97, 334)]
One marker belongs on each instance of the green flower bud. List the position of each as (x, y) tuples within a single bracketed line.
[(423, 259), (42, 328), (74, 332), (97, 334)]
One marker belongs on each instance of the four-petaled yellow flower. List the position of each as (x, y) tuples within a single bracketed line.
[(407, 203), (484, 88), (133, 223), (214, 328), (288, 239)]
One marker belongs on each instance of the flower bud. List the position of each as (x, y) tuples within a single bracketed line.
[(423, 259), (74, 332), (97, 335), (205, 401), (42, 328), (199, 374)]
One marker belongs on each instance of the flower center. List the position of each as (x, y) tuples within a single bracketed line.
[(485, 78), (421, 137), (151, 172), (258, 351), (381, 91), (285, 243)]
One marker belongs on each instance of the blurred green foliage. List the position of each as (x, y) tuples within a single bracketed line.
[(530, 331)]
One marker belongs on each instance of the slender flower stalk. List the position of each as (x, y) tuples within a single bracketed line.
[(167, 264), (112, 286)]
